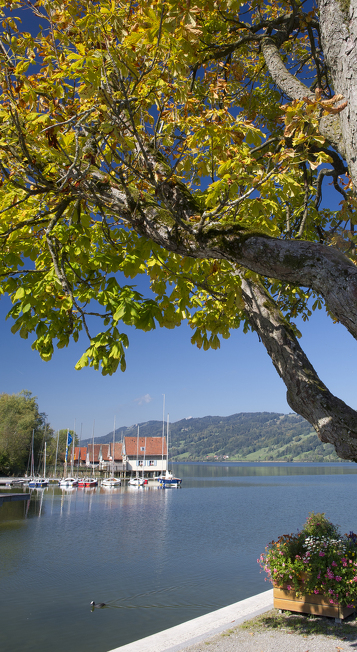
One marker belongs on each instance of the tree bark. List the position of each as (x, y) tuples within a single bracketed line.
[(338, 21), (334, 421)]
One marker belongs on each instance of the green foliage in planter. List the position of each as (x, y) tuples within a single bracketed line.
[(315, 560)]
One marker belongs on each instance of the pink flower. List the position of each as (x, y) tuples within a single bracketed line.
[(288, 587), (321, 554), (334, 563), (338, 578), (331, 601)]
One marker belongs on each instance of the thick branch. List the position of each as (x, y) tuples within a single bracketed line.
[(329, 125), (334, 421), (309, 264), (289, 84)]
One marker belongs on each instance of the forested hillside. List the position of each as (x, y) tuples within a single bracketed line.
[(245, 436)]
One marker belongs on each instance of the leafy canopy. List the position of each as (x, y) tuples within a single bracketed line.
[(19, 418), (111, 107)]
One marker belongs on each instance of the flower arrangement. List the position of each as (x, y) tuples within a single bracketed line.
[(318, 560)]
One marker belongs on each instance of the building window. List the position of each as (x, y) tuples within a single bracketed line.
[(151, 462)]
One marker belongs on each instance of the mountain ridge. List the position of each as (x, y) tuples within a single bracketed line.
[(244, 436)]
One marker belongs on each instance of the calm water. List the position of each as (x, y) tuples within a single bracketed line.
[(156, 557)]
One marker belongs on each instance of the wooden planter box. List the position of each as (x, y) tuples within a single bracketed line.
[(308, 604)]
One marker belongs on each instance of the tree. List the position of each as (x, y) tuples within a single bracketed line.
[(188, 142), (19, 418)]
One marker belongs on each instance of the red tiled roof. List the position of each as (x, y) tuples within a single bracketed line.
[(152, 445), (118, 451), (83, 453), (105, 452), (96, 452)]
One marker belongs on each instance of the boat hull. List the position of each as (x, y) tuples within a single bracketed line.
[(38, 483), (169, 482), (111, 482), (68, 482), (91, 483)]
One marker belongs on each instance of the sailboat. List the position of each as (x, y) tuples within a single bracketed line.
[(168, 480), (137, 481), (69, 481), (112, 481), (92, 482), (37, 482)]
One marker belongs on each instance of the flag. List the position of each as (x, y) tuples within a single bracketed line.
[(69, 441)]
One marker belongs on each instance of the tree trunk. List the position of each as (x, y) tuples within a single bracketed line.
[(334, 421), (338, 21)]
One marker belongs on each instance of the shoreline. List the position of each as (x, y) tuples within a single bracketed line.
[(199, 629)]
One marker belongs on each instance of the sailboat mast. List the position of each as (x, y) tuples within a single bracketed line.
[(167, 445), (93, 446), (66, 456), (137, 452), (56, 452), (73, 445), (113, 449), (44, 463), (32, 472), (79, 452), (163, 435), (144, 458)]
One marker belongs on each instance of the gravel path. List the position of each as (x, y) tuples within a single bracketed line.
[(257, 636)]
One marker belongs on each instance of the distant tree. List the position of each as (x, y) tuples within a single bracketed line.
[(19, 418)]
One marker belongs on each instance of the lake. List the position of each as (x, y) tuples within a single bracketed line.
[(155, 557)]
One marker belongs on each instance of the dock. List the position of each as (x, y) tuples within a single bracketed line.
[(4, 498)]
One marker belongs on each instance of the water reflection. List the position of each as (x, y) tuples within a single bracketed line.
[(155, 557), (236, 469)]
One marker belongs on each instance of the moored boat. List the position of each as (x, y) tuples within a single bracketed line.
[(91, 482), (111, 482), (38, 482), (68, 482), (169, 481), (136, 482)]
